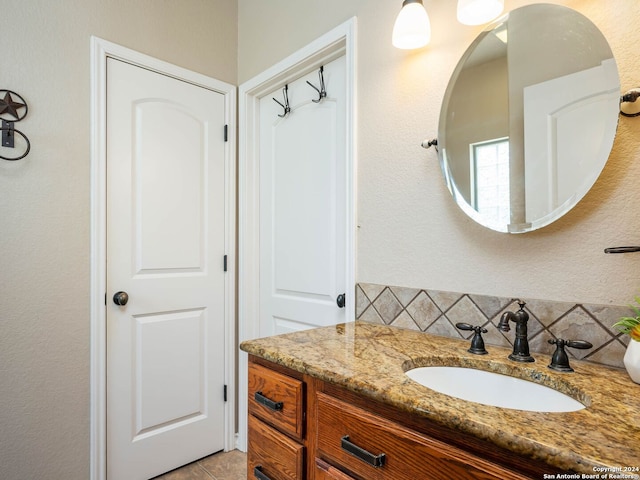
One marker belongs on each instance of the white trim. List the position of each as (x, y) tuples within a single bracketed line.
[(339, 41), (100, 51)]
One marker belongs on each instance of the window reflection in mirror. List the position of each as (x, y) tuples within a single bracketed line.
[(490, 185)]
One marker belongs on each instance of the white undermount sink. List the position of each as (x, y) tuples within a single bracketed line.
[(494, 389)]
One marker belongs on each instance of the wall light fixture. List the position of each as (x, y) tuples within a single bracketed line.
[(412, 28)]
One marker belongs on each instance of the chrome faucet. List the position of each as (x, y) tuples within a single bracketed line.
[(521, 342)]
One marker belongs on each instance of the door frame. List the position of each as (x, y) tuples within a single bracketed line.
[(100, 51), (335, 43)]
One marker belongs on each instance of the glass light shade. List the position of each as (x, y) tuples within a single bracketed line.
[(477, 12), (412, 28)]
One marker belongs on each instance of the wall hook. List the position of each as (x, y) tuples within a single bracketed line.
[(287, 108), (9, 106), (322, 91), (430, 143), (8, 134), (628, 98)]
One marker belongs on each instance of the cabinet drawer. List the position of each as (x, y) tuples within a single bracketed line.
[(277, 399), (274, 455), (373, 448), (324, 471)]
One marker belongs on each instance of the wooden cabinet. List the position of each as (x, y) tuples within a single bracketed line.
[(309, 429), (276, 424)]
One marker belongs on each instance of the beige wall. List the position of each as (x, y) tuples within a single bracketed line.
[(45, 211), (411, 232)]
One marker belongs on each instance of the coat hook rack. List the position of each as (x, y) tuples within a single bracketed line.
[(9, 106), (322, 91), (287, 108), (630, 97)]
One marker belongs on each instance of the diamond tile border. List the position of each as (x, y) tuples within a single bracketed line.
[(437, 312)]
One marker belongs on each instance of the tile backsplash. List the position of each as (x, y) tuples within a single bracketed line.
[(437, 312)]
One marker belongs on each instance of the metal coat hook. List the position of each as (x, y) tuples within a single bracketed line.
[(322, 91), (287, 108), (9, 106)]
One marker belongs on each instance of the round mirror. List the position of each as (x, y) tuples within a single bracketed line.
[(529, 118)]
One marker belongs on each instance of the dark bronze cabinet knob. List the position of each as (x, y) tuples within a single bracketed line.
[(120, 298)]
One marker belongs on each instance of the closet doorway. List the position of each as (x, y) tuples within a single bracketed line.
[(297, 194)]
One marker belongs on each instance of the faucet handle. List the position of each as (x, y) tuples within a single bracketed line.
[(477, 343), (579, 344), (560, 359)]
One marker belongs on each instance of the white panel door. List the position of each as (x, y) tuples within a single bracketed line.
[(566, 130), (165, 249), (303, 185)]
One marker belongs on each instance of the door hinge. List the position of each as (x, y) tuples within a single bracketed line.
[(225, 393), (226, 133), (225, 263), (105, 298)]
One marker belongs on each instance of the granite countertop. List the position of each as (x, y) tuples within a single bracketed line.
[(371, 360)]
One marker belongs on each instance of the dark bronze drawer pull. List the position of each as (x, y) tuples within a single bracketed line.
[(361, 453), (257, 472), (262, 400)]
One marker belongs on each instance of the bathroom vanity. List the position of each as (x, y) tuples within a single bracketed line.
[(335, 403)]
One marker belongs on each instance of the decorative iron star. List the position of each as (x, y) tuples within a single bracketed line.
[(9, 106)]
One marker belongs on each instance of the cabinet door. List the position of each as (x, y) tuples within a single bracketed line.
[(272, 455), (375, 448)]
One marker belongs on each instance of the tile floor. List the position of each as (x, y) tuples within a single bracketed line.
[(220, 466)]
